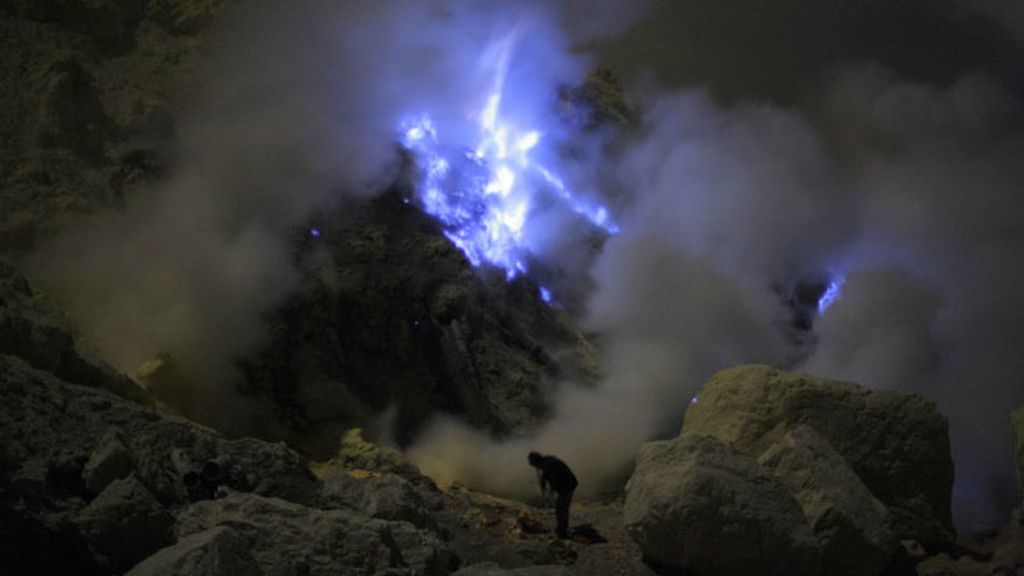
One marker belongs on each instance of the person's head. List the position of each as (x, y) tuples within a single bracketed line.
[(535, 459)]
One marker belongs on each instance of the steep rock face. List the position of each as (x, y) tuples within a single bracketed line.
[(897, 444), (396, 320), (851, 524), (696, 504)]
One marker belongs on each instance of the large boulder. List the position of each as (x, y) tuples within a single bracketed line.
[(288, 538), (898, 444), (1017, 430), (384, 496), (697, 505), (851, 524)]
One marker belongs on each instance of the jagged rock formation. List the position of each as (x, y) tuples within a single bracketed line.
[(793, 475), (398, 320)]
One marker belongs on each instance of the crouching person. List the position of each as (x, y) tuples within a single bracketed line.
[(555, 475)]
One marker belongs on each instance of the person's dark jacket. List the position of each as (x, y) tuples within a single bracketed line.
[(554, 473)]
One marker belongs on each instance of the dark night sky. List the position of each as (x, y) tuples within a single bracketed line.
[(754, 49)]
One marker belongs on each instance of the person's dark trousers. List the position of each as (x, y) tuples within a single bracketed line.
[(562, 513)]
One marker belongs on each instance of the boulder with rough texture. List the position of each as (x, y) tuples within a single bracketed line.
[(110, 461), (125, 524), (288, 538), (218, 551), (695, 504), (1017, 429), (51, 430), (851, 524), (898, 444), (384, 496)]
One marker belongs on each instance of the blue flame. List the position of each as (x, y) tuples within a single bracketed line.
[(483, 194), (545, 295), (831, 293)]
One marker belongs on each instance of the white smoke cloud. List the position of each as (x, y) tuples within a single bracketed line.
[(908, 189)]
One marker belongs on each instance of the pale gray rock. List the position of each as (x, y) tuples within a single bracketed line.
[(385, 496), (288, 538), (695, 504), (218, 551), (897, 444), (109, 462), (851, 524), (125, 524)]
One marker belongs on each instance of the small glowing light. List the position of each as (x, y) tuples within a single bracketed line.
[(831, 294), (526, 143), (695, 399), (315, 233), (502, 182), (489, 116), (545, 294)]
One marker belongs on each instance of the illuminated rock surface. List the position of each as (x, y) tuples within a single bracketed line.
[(897, 444), (698, 505), (849, 522)]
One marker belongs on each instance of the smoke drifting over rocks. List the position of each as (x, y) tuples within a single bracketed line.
[(905, 183)]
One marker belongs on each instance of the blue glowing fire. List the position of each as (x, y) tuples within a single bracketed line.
[(831, 294), (483, 193)]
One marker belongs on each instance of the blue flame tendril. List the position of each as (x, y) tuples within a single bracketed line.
[(483, 194)]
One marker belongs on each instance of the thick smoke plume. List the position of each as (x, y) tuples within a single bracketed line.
[(907, 188), (753, 169)]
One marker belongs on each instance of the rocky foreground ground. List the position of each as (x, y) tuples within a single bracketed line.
[(95, 478)]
